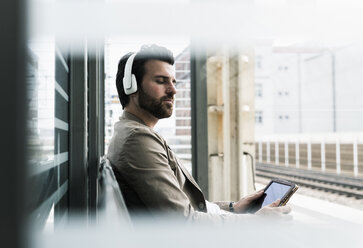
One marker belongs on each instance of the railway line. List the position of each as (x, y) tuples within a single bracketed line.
[(337, 184)]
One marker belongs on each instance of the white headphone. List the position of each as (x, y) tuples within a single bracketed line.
[(129, 80)]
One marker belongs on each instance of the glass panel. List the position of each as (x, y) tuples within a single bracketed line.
[(40, 131), (40, 77)]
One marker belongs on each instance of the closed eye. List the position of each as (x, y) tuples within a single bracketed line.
[(163, 80)]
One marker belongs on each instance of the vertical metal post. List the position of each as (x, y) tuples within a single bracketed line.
[(337, 152), (286, 154), (334, 92), (244, 176), (276, 153), (260, 151), (268, 152), (323, 156), (355, 157), (78, 175), (297, 154), (101, 102), (309, 155), (95, 122), (198, 77), (13, 108), (92, 135), (300, 91)]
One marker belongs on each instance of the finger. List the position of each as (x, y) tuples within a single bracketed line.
[(285, 209), (275, 203)]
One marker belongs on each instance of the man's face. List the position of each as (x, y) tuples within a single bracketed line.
[(156, 94)]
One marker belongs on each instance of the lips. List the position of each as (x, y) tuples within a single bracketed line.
[(169, 100)]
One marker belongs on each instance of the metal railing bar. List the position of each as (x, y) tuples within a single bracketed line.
[(58, 159), (38, 216), (61, 58), (328, 177), (61, 124), (61, 91)]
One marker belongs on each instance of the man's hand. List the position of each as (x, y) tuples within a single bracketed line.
[(242, 205), (273, 210)]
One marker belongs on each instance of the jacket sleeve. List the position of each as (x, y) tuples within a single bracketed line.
[(144, 164)]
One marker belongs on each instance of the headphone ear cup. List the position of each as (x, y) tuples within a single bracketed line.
[(129, 80), (130, 84), (133, 84)]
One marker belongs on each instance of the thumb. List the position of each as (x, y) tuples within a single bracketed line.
[(275, 203)]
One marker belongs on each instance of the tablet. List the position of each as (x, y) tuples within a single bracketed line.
[(276, 189)]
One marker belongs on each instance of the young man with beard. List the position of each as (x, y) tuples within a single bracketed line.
[(150, 176)]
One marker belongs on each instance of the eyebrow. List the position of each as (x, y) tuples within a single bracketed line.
[(164, 77)]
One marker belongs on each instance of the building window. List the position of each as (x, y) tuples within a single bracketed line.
[(283, 93), (283, 117), (259, 117), (259, 62), (258, 90)]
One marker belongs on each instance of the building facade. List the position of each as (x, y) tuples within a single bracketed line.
[(308, 89)]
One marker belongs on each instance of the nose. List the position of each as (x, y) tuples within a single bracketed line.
[(171, 88)]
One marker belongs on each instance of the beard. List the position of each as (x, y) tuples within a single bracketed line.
[(157, 107)]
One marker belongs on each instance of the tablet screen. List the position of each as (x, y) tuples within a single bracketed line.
[(273, 192)]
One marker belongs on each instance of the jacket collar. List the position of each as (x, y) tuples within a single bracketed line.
[(129, 116)]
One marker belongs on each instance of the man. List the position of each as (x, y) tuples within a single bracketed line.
[(151, 178)]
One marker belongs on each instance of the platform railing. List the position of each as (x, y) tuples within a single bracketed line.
[(341, 156)]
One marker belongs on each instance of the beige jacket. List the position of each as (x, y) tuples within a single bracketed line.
[(151, 178)]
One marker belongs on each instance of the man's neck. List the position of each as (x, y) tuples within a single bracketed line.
[(143, 115)]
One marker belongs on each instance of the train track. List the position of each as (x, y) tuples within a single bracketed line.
[(342, 185)]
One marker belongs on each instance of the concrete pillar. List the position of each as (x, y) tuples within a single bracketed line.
[(230, 83), (246, 116)]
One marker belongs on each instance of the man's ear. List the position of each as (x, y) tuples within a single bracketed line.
[(134, 96)]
